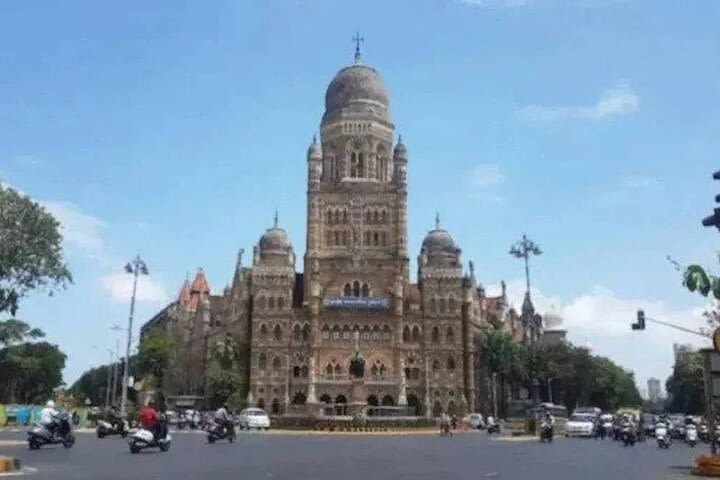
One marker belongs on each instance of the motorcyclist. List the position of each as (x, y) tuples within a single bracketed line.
[(47, 417), (453, 421), (444, 422), (549, 421), (149, 418), (113, 417), (222, 418)]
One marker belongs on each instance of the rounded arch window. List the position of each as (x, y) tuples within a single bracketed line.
[(451, 363), (325, 332), (416, 334), (436, 364), (442, 305), (277, 363), (271, 303), (277, 333), (435, 335), (406, 334), (347, 291), (386, 333), (297, 333), (262, 361), (451, 304), (356, 288), (365, 290), (450, 334), (263, 332), (433, 305)]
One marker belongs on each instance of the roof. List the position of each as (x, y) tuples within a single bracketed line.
[(200, 283)]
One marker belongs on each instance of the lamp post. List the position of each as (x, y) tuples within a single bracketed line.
[(523, 249), (135, 267)]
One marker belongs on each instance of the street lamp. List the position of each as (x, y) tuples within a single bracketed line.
[(523, 249), (135, 267)]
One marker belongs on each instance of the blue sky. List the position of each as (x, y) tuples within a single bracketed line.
[(174, 129)]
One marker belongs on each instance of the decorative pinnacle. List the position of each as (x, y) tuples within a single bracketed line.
[(314, 139), (437, 220), (358, 40), (275, 219), (399, 138)]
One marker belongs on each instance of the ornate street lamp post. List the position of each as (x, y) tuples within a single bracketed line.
[(135, 267), (524, 249)]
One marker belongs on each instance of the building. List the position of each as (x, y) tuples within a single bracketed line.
[(654, 391), (299, 330), (680, 350)]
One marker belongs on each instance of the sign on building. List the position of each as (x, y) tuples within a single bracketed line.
[(357, 303)]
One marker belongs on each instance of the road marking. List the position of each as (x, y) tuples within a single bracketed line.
[(11, 443), (22, 471)]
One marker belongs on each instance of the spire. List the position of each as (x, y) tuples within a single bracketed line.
[(437, 220), (399, 138), (314, 139), (358, 40), (275, 219)]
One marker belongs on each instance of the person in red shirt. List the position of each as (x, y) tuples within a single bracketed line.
[(149, 417)]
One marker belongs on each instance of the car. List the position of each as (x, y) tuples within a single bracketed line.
[(580, 426), (475, 420), (253, 418)]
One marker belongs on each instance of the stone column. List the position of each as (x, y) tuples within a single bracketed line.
[(311, 396), (402, 396)]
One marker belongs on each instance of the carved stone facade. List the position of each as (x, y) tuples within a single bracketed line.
[(299, 328)]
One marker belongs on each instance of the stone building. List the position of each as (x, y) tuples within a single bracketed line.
[(299, 329)]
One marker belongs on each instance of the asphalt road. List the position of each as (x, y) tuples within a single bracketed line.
[(318, 457)]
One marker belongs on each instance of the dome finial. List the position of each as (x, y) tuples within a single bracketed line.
[(437, 220), (275, 219), (314, 139), (358, 40)]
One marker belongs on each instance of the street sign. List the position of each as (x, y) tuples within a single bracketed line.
[(716, 339)]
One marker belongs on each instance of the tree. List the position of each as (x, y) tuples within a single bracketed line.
[(30, 250), (224, 382), (93, 384), (685, 386), (14, 331), (30, 371), (154, 356)]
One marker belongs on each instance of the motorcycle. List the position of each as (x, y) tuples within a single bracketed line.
[(216, 431), (628, 436), (691, 435), (546, 432), (40, 435), (105, 428), (445, 430), (141, 439), (704, 433), (493, 428), (662, 436)]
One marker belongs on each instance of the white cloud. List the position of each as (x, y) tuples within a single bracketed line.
[(78, 228), (602, 319), (487, 175), (614, 102), (119, 285)]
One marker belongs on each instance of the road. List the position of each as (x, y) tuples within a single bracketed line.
[(333, 457)]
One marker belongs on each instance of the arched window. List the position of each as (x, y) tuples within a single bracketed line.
[(451, 363), (436, 364), (365, 290), (452, 409), (353, 165), (325, 398), (414, 403), (386, 333), (367, 238), (435, 335), (262, 361), (367, 216), (277, 332), (383, 217), (263, 332), (442, 305), (346, 332), (336, 332), (384, 239), (296, 371), (275, 406), (300, 398), (376, 217), (337, 216), (277, 363), (306, 333), (297, 333), (376, 334), (329, 239), (329, 218), (416, 334), (337, 238), (304, 371), (406, 334), (348, 290), (450, 334), (281, 303), (344, 238), (345, 216), (388, 401), (437, 409), (376, 240), (356, 288), (261, 403), (361, 165), (372, 401), (433, 307), (338, 370), (325, 332), (328, 369), (261, 303), (271, 303), (451, 305)]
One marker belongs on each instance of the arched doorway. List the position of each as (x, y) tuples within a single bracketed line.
[(261, 403), (340, 405), (452, 409), (299, 399), (413, 404), (388, 401), (372, 401), (276, 407), (437, 409)]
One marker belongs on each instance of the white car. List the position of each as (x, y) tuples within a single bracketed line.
[(253, 418), (580, 426), (475, 420)]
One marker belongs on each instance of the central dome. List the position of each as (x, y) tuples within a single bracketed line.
[(353, 86), (438, 241)]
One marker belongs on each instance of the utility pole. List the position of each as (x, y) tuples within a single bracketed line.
[(524, 248), (135, 267), (109, 379)]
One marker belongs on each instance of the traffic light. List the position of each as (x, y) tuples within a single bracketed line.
[(640, 324), (714, 219)]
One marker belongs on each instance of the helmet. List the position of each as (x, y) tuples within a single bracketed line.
[(50, 404), (225, 406)]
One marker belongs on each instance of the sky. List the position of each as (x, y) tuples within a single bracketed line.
[(174, 129)]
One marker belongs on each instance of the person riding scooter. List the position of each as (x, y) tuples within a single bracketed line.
[(149, 419), (47, 418), (222, 418)]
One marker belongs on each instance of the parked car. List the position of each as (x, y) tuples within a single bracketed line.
[(253, 418), (475, 420), (582, 425)]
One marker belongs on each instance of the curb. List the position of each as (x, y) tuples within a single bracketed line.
[(9, 464)]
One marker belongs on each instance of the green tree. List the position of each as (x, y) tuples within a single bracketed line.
[(30, 250), (154, 356), (15, 331), (30, 371), (224, 382), (685, 386), (92, 384)]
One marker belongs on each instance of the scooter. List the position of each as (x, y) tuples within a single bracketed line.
[(493, 428), (216, 431), (141, 439), (628, 436), (105, 428), (691, 435), (704, 433), (661, 434), (546, 432), (39, 435)]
